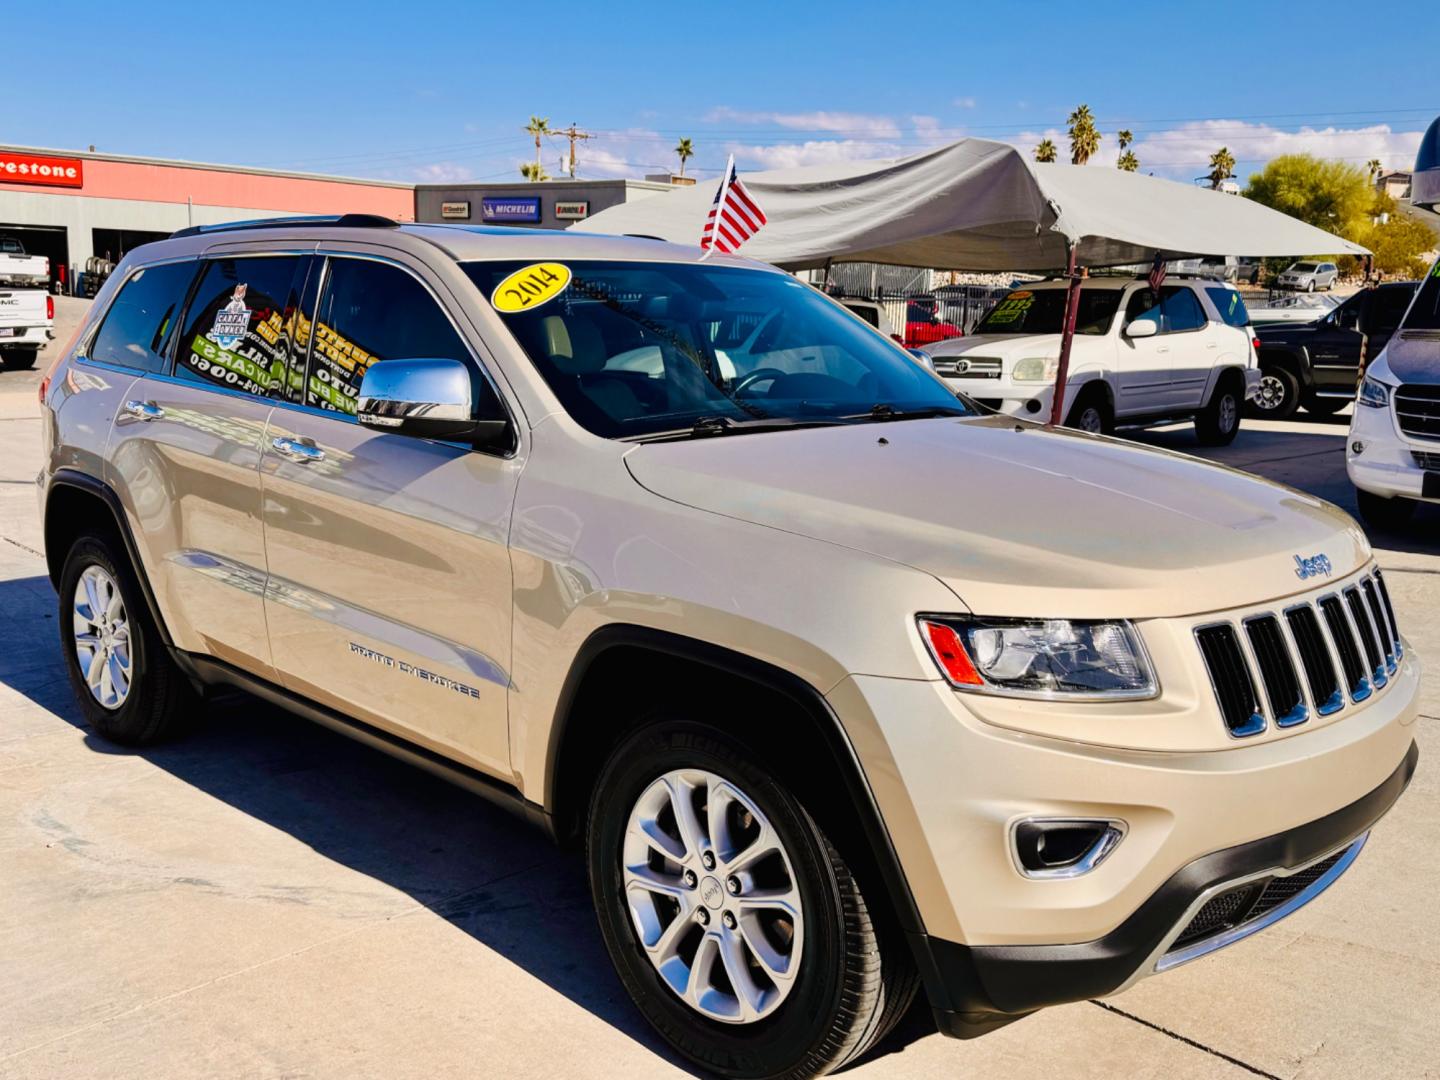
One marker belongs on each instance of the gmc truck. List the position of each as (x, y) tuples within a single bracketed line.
[(18, 268), (27, 321)]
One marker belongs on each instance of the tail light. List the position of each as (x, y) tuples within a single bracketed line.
[(49, 307), (59, 356)]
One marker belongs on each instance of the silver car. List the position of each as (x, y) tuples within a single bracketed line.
[(1309, 276)]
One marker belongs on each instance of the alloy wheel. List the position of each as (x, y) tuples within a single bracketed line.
[(1272, 393), (712, 896), (102, 637), (1229, 413), (1090, 420)]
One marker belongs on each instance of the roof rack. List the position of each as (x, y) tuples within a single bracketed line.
[(339, 221)]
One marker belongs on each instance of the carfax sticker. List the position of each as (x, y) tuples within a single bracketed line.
[(231, 321), (530, 287)]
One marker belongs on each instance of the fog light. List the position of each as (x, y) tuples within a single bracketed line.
[(1033, 405), (1357, 448), (1064, 847)]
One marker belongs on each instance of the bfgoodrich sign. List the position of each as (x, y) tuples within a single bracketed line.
[(18, 168)]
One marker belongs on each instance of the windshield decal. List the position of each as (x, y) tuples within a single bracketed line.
[(530, 286), (1011, 308)]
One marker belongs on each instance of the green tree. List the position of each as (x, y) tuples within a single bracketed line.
[(1222, 167), (1046, 151), (685, 152), (1331, 195), (1127, 162), (533, 171), (1084, 136), (539, 127), (1398, 245)]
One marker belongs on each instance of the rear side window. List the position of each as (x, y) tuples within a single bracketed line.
[(141, 319), (370, 312), (1230, 305), (239, 325)]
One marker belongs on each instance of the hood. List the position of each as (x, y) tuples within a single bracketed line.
[(1002, 345), (1015, 518), (1414, 356)]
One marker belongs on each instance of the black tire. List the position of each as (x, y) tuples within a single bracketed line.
[(1320, 406), (1310, 285), (1091, 412), (1279, 395), (1218, 422), (1383, 513), (18, 359), (159, 699), (855, 978)]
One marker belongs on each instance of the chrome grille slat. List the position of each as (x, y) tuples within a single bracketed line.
[(1417, 410), (1230, 676), (1382, 628), (1369, 640), (1390, 614), (1277, 670), (1315, 660), (1356, 681)]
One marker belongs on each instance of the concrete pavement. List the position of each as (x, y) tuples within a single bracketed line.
[(268, 899)]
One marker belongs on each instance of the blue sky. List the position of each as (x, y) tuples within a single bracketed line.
[(430, 91)]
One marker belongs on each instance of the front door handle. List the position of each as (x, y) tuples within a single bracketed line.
[(144, 410), (301, 450)]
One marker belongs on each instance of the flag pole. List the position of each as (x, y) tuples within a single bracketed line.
[(719, 204)]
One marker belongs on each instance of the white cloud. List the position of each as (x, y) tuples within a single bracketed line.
[(812, 152), (859, 125), (441, 172), (1185, 151), (965, 103)]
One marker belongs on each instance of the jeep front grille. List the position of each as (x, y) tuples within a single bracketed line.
[(1297, 659), (1417, 408)]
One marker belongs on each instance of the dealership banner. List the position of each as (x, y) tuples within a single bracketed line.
[(22, 168)]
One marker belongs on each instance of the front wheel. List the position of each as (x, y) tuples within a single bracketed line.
[(1218, 422), (1091, 412), (735, 924), (1310, 285), (1279, 395)]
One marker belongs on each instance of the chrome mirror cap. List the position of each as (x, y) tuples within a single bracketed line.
[(429, 398)]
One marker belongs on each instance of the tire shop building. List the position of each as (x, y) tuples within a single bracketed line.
[(74, 206), (549, 204)]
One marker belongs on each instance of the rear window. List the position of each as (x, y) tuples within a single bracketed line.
[(140, 321), (11, 247), (1231, 306), (869, 314), (1042, 311)]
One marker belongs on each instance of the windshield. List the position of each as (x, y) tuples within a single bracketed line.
[(1042, 311), (634, 349), (1424, 313), (1303, 268)]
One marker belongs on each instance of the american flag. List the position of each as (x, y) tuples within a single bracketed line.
[(1157, 274), (734, 217)]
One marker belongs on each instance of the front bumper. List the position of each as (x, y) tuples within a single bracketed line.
[(974, 989), (1387, 465), (1028, 401)]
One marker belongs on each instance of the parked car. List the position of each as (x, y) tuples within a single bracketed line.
[(1393, 451), (874, 313), (1318, 364), (1136, 358), (843, 688), (20, 269), (1309, 276), (924, 326), (1293, 307), (27, 321)]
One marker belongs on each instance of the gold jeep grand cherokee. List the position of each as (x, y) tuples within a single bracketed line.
[(847, 689)]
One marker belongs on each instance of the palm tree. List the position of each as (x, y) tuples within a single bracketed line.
[(686, 152), (1084, 138), (1128, 162), (539, 126), (1374, 168), (533, 172), (1222, 167), (1045, 151), (1126, 137)]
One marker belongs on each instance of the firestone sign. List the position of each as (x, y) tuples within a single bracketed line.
[(19, 168)]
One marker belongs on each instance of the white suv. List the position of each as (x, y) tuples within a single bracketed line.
[(1136, 358)]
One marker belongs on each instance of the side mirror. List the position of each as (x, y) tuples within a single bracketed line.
[(429, 399), (926, 360), (1141, 328)]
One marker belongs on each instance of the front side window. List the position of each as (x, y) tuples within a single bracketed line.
[(1424, 313), (1388, 308), (139, 322), (636, 349), (239, 325), (1144, 306), (1231, 306), (372, 311), (1042, 311), (1182, 310)]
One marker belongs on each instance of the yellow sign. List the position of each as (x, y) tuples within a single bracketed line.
[(530, 287)]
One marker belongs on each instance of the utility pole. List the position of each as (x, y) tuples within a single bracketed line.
[(574, 134)]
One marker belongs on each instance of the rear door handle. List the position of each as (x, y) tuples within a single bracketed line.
[(303, 451), (144, 410)]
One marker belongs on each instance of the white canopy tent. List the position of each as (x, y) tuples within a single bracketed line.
[(980, 205)]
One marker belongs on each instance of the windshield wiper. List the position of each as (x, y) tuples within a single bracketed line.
[(707, 426), (884, 411)]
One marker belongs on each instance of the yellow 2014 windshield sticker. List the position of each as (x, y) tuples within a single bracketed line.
[(530, 287)]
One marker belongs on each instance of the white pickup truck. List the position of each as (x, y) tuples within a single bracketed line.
[(27, 321), (18, 268)]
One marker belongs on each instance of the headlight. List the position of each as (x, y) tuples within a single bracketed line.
[(1036, 369), (1044, 658), (1374, 393)]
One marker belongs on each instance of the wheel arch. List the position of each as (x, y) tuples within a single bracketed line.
[(583, 734), (75, 501), (1291, 358)]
